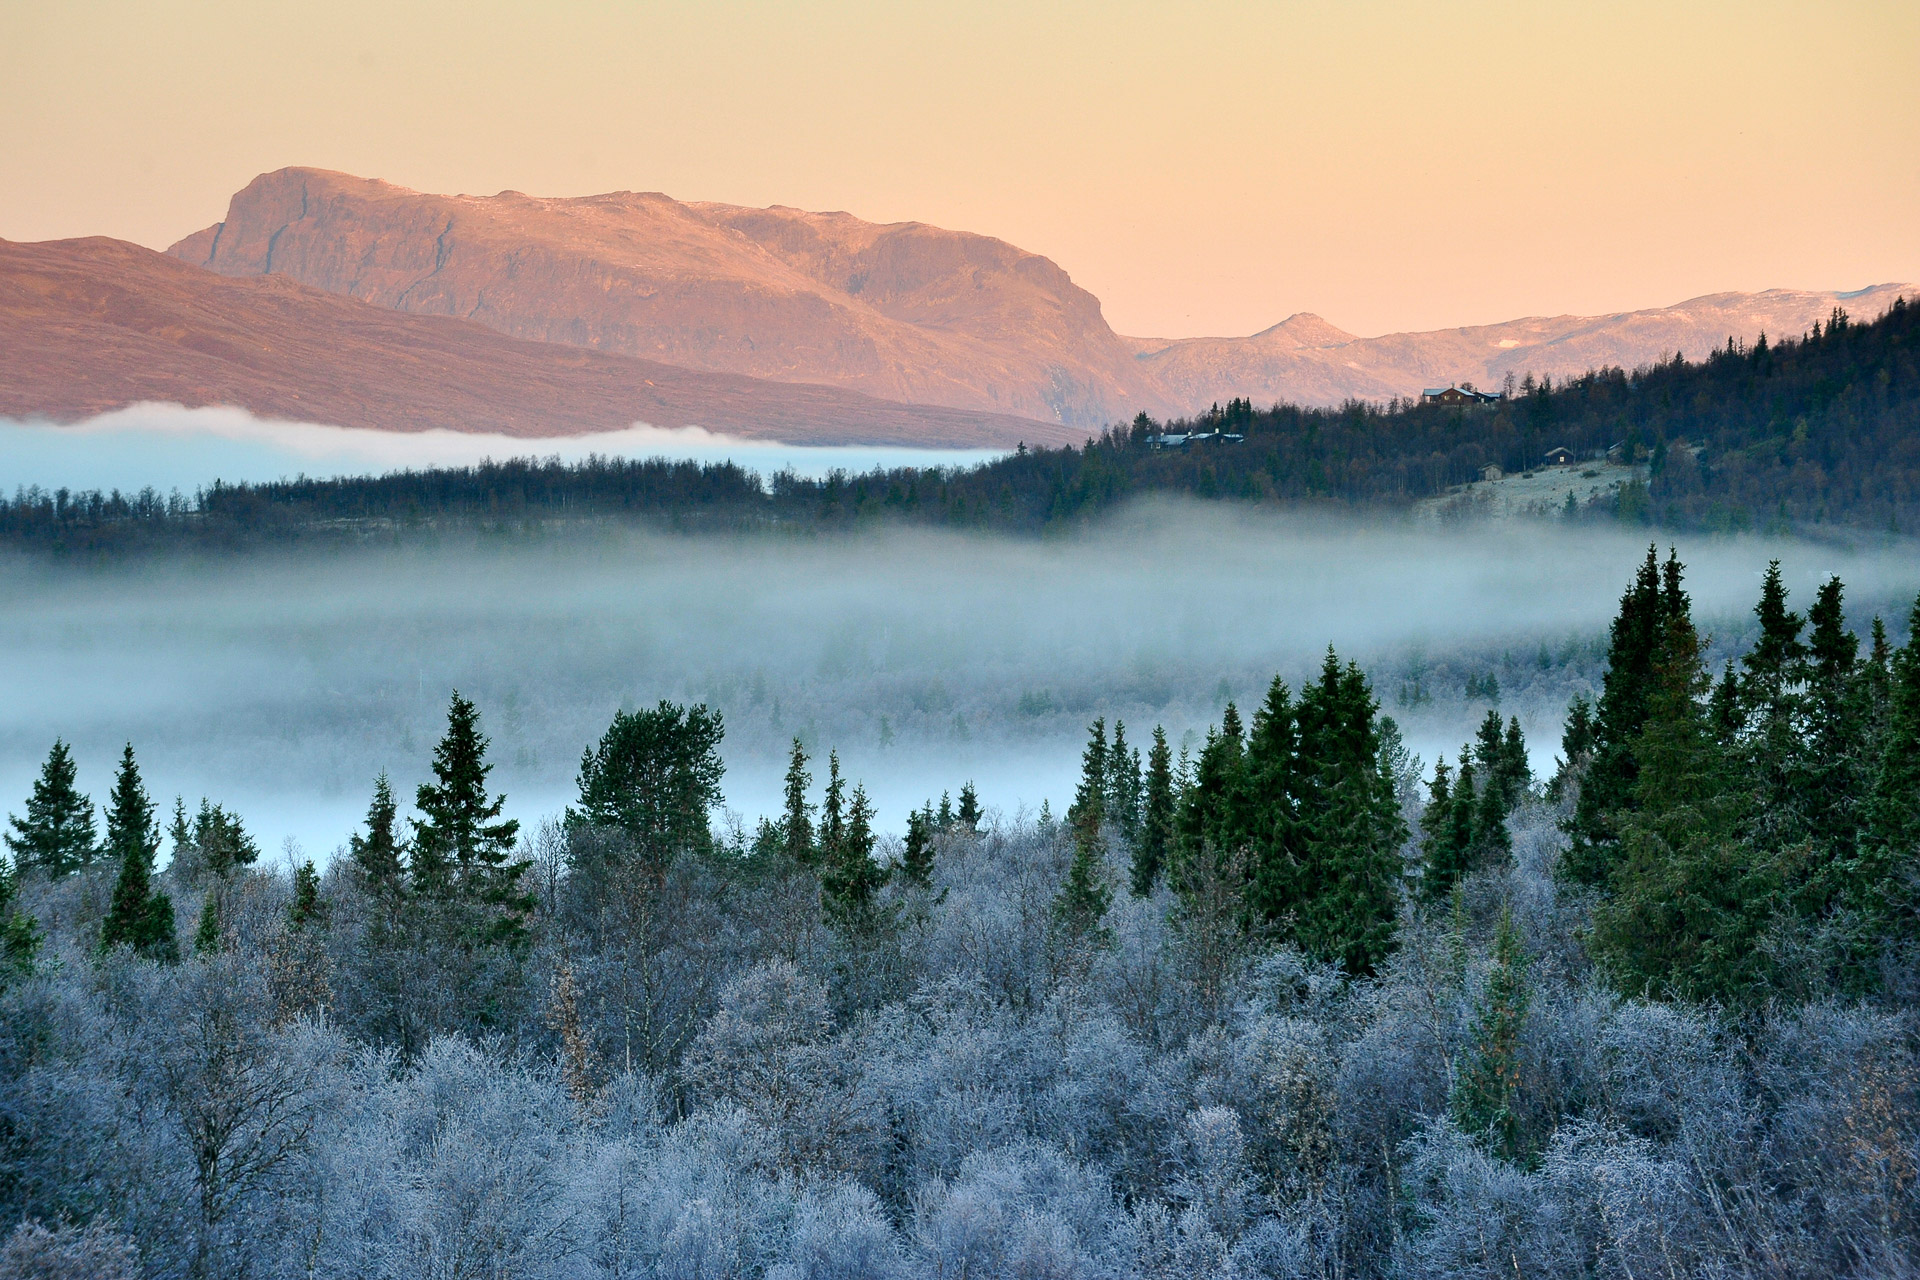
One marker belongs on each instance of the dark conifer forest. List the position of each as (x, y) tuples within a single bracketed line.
[(1290, 1003), (1793, 432)]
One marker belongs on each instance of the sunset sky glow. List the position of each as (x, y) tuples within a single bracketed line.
[(1202, 168)]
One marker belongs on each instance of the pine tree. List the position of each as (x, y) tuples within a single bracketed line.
[(946, 810), (850, 881), (796, 823), (139, 916), (654, 777), (1156, 817), (221, 844), (1485, 1096), (969, 813), (56, 838), (378, 854), (1517, 775), (461, 843), (1492, 844)]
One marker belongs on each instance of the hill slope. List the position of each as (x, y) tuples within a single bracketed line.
[(92, 325)]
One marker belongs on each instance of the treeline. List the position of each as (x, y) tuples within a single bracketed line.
[(1820, 428), (1263, 1009)]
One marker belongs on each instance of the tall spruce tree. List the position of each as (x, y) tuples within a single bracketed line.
[(1123, 787), (1089, 805), (56, 838), (1269, 822), (462, 847), (378, 854), (1350, 826), (916, 858), (1208, 822), (796, 822), (139, 916), (969, 813), (1835, 736), (1156, 817), (1772, 702), (1688, 898), (833, 818), (1607, 786), (850, 879), (1886, 880), (1442, 851)]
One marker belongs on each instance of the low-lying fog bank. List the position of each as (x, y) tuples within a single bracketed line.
[(280, 686), (167, 447)]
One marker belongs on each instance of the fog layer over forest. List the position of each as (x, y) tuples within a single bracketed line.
[(280, 687), (166, 446)]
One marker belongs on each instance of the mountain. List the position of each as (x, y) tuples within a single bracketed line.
[(904, 311), (96, 324), (1305, 360)]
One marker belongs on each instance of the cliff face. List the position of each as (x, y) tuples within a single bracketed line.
[(87, 326), (906, 312)]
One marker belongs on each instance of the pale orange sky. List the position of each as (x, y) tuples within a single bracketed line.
[(1201, 167)]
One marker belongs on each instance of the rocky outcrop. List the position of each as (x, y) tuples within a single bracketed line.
[(88, 326)]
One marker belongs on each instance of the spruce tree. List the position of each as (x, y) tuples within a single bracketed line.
[(1442, 852), (378, 854), (1210, 811), (1886, 880), (1607, 786), (916, 859), (1772, 689), (1123, 787), (1080, 907), (969, 813), (207, 939), (1485, 1097), (1350, 827), (796, 823), (462, 847), (19, 932), (1576, 748), (1090, 797), (1836, 729), (1688, 897), (139, 916), (56, 838), (833, 822), (1492, 844), (1156, 817), (1268, 821), (850, 880), (307, 907)]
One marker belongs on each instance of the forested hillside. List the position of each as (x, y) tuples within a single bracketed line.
[(1822, 429), (1292, 1005)]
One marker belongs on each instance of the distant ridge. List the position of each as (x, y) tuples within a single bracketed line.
[(92, 325), (903, 311)]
